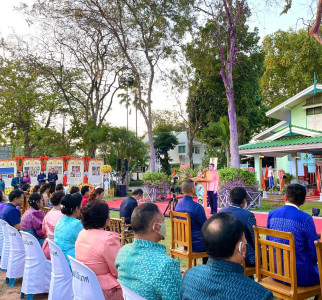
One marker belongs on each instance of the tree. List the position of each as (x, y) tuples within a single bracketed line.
[(290, 62), (164, 140), (165, 117)]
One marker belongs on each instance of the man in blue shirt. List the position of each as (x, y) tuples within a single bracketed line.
[(16, 182), (129, 204), (223, 277), (196, 212), (10, 213), (238, 202), (52, 178)]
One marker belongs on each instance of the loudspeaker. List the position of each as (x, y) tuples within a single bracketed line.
[(121, 190), (118, 164), (126, 165)]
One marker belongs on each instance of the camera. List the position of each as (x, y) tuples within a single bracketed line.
[(175, 188)]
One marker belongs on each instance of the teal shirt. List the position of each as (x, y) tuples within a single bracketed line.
[(2, 185), (145, 268)]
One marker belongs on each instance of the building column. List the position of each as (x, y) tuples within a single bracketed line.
[(294, 168), (258, 169)]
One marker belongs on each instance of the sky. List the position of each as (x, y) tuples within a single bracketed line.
[(267, 19)]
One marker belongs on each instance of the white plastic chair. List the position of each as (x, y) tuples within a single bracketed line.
[(16, 261), (1, 240), (129, 294), (6, 246), (36, 276), (85, 282), (61, 276)]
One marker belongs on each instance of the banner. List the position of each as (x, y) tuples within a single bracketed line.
[(75, 171), (8, 170), (33, 167), (57, 165), (94, 171)]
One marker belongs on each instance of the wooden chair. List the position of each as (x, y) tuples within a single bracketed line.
[(181, 235), (278, 262), (318, 245), (119, 226), (248, 271)]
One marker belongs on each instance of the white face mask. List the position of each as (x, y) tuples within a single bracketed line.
[(163, 229)]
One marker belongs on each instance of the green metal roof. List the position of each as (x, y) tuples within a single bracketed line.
[(288, 141)]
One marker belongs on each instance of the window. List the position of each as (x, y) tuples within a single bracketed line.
[(314, 110), (196, 150), (182, 149)]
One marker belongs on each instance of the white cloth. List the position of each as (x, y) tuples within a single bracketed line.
[(85, 282), (16, 260), (6, 245), (129, 294), (61, 275), (36, 276)]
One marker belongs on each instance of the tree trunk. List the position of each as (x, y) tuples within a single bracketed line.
[(227, 156), (92, 152), (27, 144), (152, 151), (190, 146)]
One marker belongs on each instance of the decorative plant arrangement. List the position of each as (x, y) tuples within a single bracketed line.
[(156, 185)]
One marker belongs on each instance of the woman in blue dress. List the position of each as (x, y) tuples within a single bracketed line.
[(68, 227)]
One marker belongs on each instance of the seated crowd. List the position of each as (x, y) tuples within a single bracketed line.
[(144, 266)]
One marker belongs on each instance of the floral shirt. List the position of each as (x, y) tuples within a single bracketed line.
[(32, 220)]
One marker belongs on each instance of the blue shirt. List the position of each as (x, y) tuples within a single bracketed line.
[(40, 179), (248, 220), (222, 280), (10, 214), (126, 209), (290, 219), (197, 217), (52, 177), (145, 268), (16, 182), (66, 233)]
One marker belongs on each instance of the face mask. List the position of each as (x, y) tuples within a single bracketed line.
[(163, 229)]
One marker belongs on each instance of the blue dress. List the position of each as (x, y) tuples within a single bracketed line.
[(66, 233)]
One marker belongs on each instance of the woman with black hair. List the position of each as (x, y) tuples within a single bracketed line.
[(97, 248), (31, 220), (3, 198), (68, 227)]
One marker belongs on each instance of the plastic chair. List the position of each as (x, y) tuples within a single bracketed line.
[(1, 240), (6, 246), (85, 282), (36, 276), (61, 276), (16, 261), (129, 294)]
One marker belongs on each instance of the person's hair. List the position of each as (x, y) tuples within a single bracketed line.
[(137, 192), (25, 187), (69, 203), (220, 234), (15, 194), (211, 164), (36, 188), (84, 189), (237, 195), (94, 193), (1, 192), (44, 187), (94, 214), (187, 186), (56, 197), (296, 193), (42, 171), (33, 199), (25, 172), (143, 216), (18, 172), (59, 187), (74, 190)]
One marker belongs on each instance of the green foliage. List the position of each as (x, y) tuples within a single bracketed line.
[(166, 117), (227, 175), (188, 173), (291, 58), (154, 178), (289, 178), (136, 183)]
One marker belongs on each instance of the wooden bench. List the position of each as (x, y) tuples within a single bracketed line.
[(119, 226), (278, 262), (181, 235)]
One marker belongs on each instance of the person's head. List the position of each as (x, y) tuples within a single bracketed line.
[(74, 190), (95, 215), (2, 196), (85, 191), (52, 170), (96, 194), (26, 188), (224, 238), (59, 187), (70, 204), (25, 174), (211, 167), (238, 196), (147, 222), (35, 201), (188, 187), (16, 197), (36, 189), (45, 188), (56, 198), (295, 194), (137, 194), (18, 174), (42, 172)]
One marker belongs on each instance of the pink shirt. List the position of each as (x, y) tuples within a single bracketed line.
[(213, 178), (84, 201), (50, 221), (97, 249)]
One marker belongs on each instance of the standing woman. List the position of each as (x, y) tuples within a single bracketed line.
[(96, 194), (32, 219), (2, 184), (41, 178), (44, 192), (68, 227), (25, 178)]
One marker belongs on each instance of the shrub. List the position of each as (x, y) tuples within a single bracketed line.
[(156, 185), (237, 177)]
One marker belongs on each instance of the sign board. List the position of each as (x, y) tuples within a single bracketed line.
[(57, 164), (94, 171), (33, 167), (75, 171)]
